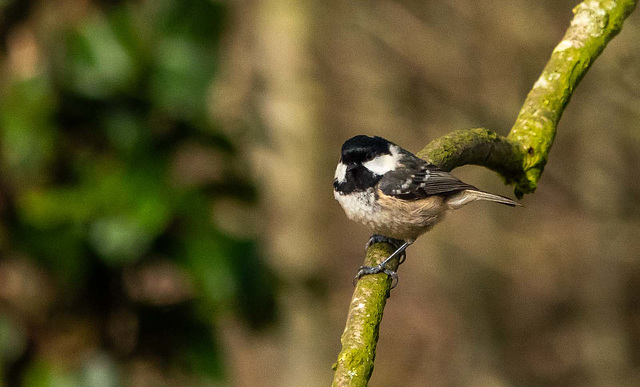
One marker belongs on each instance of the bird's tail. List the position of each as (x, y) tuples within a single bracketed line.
[(461, 198)]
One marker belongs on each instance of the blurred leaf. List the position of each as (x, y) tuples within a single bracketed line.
[(100, 370), (55, 207), (184, 58), (191, 345), (181, 78), (97, 64), (118, 239), (124, 129), (13, 341), (60, 249), (201, 353), (201, 20), (27, 137), (206, 256), (256, 282), (41, 374)]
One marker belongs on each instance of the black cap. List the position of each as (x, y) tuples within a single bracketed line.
[(361, 147)]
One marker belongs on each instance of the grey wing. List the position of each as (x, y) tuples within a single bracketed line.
[(420, 181)]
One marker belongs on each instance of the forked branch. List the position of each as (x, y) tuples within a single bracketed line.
[(519, 158)]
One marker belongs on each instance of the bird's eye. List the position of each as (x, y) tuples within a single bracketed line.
[(369, 156)]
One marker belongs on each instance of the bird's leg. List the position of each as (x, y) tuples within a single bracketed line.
[(381, 267), (375, 238)]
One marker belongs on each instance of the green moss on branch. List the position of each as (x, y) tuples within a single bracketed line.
[(360, 336), (594, 24), (479, 147)]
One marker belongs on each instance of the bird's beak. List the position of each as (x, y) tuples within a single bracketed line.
[(351, 167)]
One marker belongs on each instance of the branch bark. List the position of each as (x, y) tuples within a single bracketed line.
[(519, 158)]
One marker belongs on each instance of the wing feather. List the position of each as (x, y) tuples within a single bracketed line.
[(420, 180)]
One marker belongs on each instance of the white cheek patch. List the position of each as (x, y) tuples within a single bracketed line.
[(385, 163), (341, 173)]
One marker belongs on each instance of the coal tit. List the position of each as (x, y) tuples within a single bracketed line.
[(397, 195)]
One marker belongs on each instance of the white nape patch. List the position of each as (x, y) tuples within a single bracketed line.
[(341, 172), (385, 163)]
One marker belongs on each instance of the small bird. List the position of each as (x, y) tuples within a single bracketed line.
[(397, 195)]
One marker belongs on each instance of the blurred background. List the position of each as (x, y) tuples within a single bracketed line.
[(166, 208)]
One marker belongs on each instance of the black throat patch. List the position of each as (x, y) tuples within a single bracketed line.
[(357, 180)]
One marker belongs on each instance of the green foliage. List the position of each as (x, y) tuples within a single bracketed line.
[(93, 152)]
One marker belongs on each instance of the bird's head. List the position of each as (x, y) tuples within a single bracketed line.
[(363, 162)]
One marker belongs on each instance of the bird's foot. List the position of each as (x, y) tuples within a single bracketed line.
[(367, 270), (400, 247)]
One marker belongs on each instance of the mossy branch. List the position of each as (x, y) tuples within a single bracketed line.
[(519, 158)]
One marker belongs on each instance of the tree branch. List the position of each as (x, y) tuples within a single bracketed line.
[(519, 158), (594, 24)]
